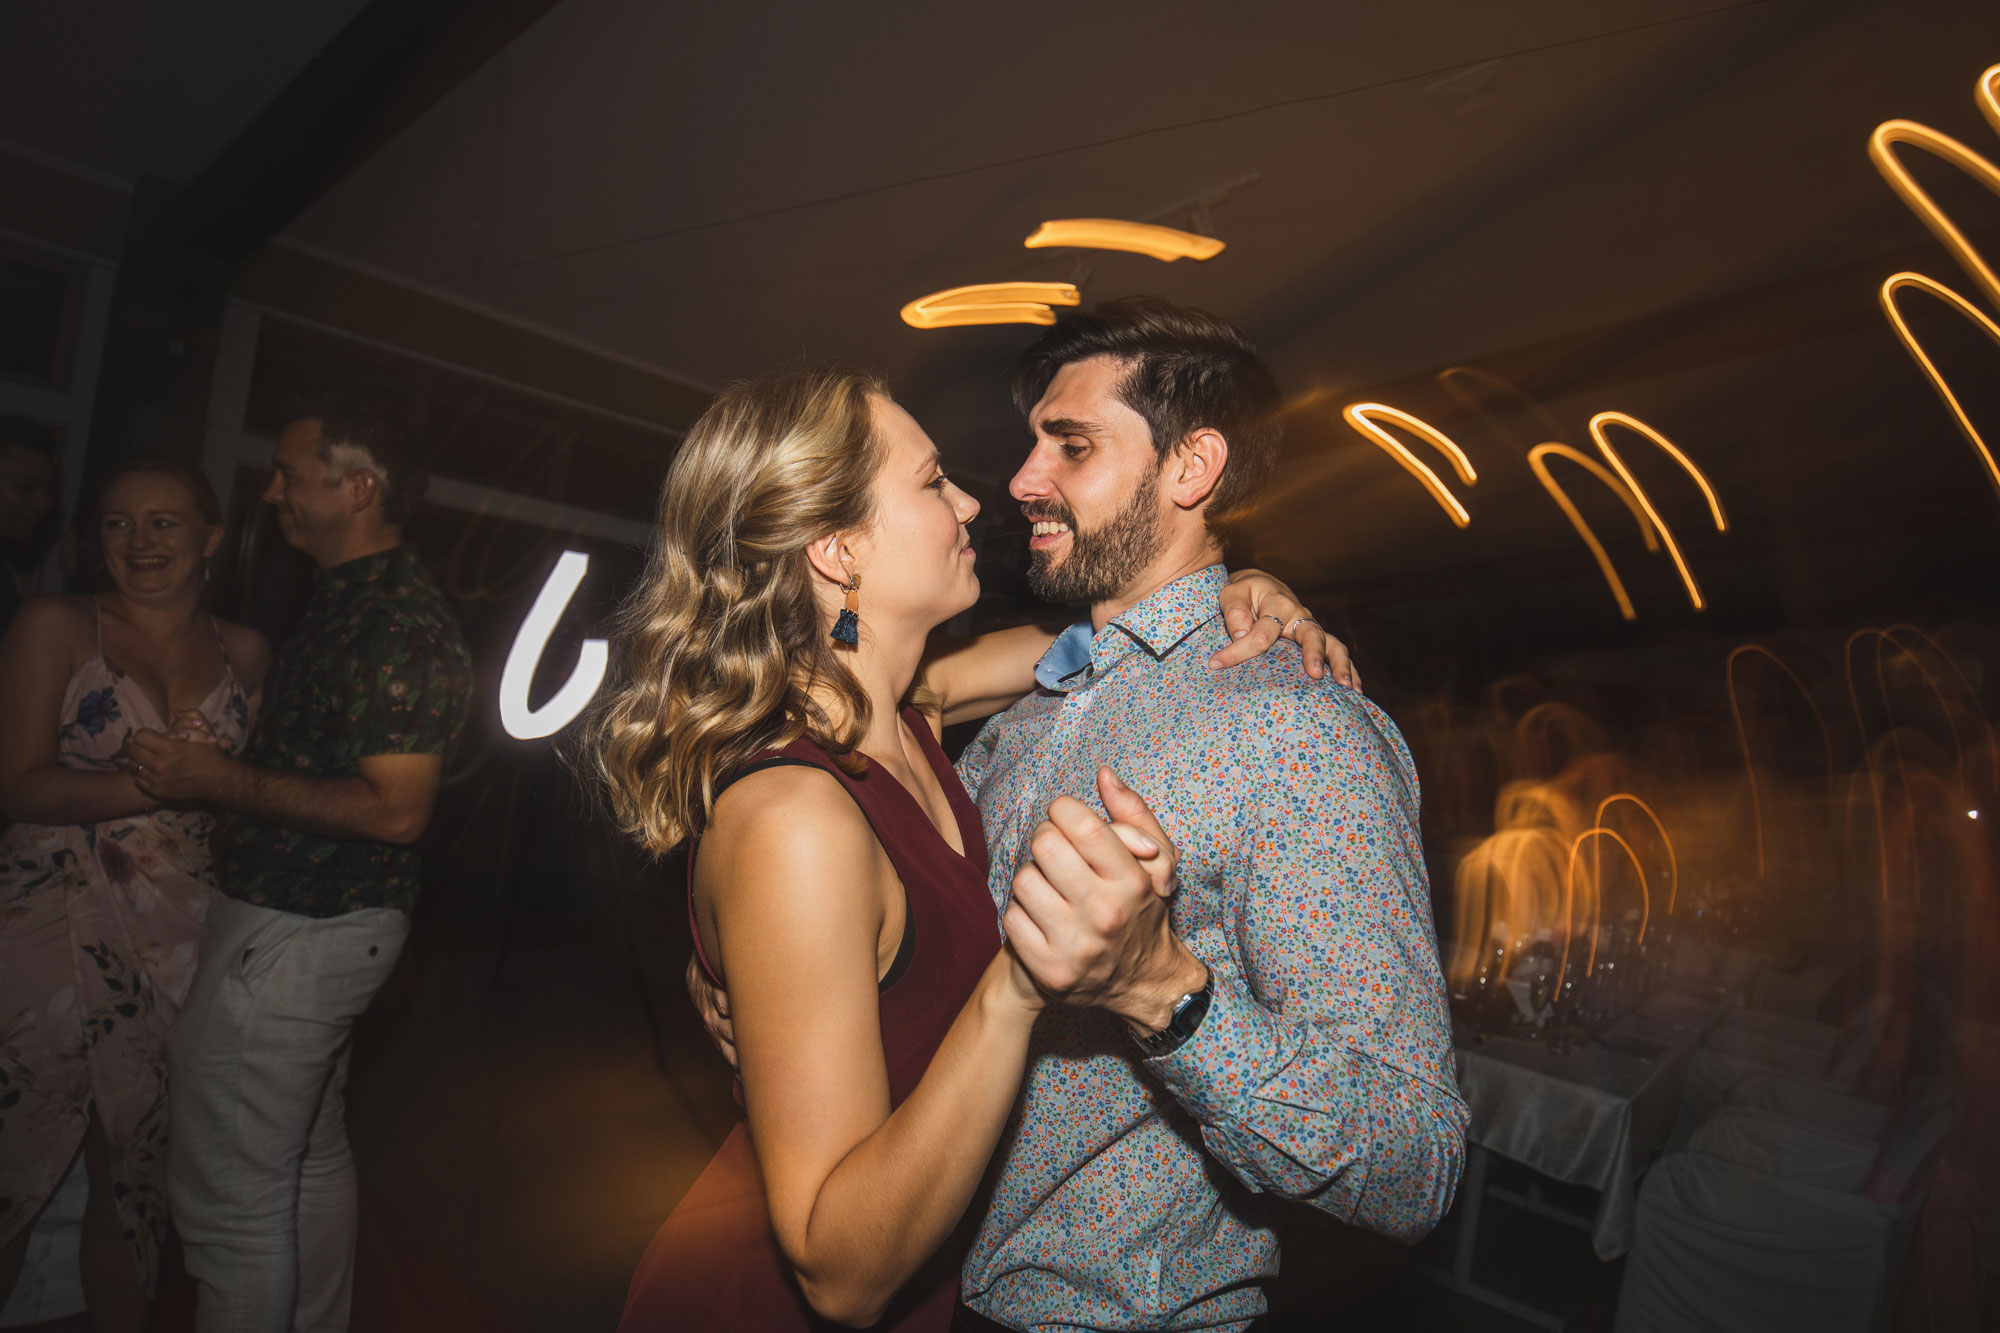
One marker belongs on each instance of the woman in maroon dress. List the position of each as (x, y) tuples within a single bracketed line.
[(839, 883)]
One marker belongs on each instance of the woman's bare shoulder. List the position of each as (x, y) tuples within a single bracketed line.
[(786, 812)]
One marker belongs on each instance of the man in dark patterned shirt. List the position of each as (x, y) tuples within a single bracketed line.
[(316, 854)]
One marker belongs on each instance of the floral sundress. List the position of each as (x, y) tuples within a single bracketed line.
[(100, 929)]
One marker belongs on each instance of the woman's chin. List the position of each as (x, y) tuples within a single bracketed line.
[(151, 582)]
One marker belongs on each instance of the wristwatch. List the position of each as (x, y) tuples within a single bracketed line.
[(1186, 1020)]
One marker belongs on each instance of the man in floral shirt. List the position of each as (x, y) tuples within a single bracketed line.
[(1277, 1025), (316, 855)]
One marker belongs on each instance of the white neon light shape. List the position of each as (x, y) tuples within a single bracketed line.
[(591, 660), (1165, 244)]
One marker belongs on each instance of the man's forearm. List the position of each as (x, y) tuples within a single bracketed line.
[(339, 807)]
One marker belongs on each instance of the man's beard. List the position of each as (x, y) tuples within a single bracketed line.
[(1103, 563)]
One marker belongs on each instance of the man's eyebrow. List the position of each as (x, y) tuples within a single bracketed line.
[(1066, 426)]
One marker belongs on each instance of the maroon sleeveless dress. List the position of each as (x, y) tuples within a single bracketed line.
[(714, 1263)]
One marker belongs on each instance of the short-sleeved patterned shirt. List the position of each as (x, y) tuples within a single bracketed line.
[(1323, 1069), (376, 666)]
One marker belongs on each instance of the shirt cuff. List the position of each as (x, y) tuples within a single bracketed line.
[(1215, 1068)]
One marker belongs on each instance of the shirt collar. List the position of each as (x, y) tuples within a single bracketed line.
[(1165, 616), (1159, 622), (348, 573), (1065, 658)]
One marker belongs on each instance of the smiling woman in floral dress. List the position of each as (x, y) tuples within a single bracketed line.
[(102, 890)]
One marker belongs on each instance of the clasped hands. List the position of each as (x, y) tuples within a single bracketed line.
[(1088, 923), (177, 765)]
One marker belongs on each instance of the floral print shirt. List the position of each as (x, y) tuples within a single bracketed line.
[(1322, 1071), (376, 666)]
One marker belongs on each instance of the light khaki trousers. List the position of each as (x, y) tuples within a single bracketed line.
[(260, 1177)]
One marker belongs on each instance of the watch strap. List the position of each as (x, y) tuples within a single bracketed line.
[(1193, 1007)]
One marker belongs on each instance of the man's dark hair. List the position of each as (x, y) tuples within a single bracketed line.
[(350, 423), (1188, 370), (37, 437)]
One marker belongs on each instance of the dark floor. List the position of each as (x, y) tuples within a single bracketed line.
[(524, 1131)]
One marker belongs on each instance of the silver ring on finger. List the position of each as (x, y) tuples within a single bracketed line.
[(1280, 623), (1302, 620)]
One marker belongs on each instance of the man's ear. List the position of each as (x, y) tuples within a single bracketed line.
[(1195, 467), (363, 489)]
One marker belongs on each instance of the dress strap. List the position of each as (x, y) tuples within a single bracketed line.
[(220, 642)]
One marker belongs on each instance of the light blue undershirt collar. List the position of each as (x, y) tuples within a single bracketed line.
[(1066, 658)]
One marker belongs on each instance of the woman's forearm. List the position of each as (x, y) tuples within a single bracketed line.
[(899, 1193), (977, 677), (59, 794)]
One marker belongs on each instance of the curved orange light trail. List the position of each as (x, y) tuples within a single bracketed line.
[(1165, 244), (991, 303), (1882, 151), (1638, 427), (1978, 708), (1867, 750), (1743, 735), (1576, 520), (1569, 897), (1673, 863), (1896, 283), (1362, 416)]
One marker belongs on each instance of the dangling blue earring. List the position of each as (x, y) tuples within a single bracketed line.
[(847, 629)]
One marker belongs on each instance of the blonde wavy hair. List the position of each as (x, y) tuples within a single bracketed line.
[(717, 652)]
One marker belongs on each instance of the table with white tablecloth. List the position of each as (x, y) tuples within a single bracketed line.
[(1592, 1115)]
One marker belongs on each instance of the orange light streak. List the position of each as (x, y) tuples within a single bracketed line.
[(1362, 417), (1882, 151), (1896, 283), (1867, 751), (1536, 456), (1972, 695), (1597, 893), (1673, 865), (1632, 423), (1743, 735), (991, 303), (1165, 244)]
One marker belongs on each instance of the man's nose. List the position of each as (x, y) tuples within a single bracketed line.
[(274, 492), (1030, 482)]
